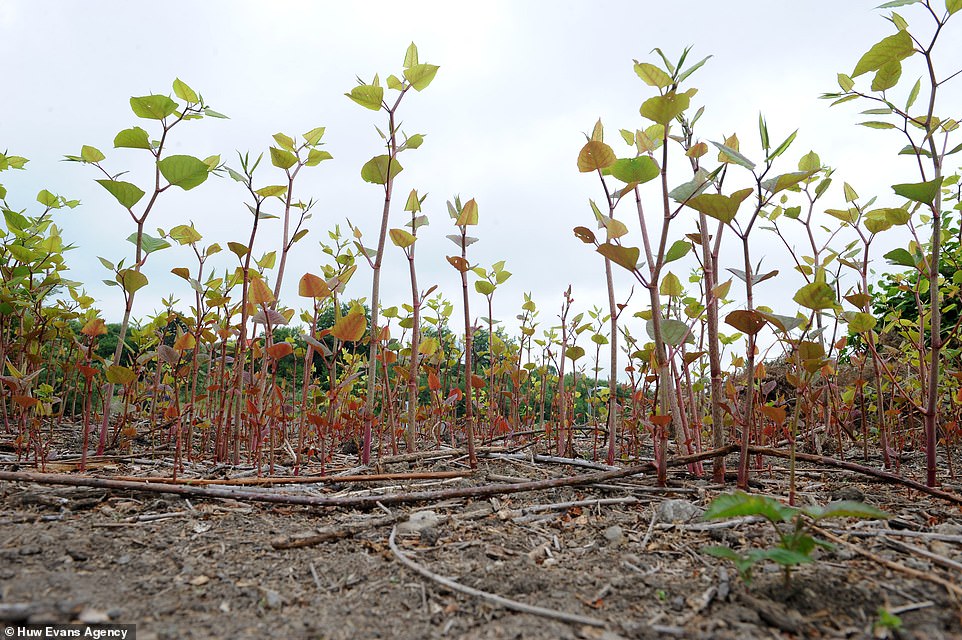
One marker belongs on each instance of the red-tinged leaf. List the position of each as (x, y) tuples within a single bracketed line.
[(434, 383), (26, 402), (585, 234), (311, 286), (459, 263), (88, 372), (259, 293), (280, 350), (775, 414), (185, 341), (94, 327), (595, 155), (477, 381), (351, 327), (748, 322)]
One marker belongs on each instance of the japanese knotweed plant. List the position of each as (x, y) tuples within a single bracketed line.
[(382, 170), (183, 171), (663, 110), (928, 134), (794, 528), (464, 216), (405, 240)]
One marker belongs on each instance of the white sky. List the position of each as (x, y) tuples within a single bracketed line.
[(519, 84)]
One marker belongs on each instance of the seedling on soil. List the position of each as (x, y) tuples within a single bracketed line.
[(793, 525)]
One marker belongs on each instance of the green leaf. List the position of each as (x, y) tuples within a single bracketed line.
[(574, 353), (783, 147), (375, 170), (411, 56), (133, 138), (282, 159), (284, 141), (468, 215), (131, 280), (595, 155), (671, 286), (678, 249), (953, 6), (635, 170), (185, 172), (271, 191), (846, 509), (626, 257), (859, 322), (48, 199), (914, 94), (816, 296), (414, 141), (185, 234), (734, 156), (887, 77), (153, 107), (900, 257), (127, 194), (313, 137), (845, 82), (785, 181), (924, 192), (615, 228), (368, 96), (665, 108), (673, 332), (652, 76), (810, 163), (421, 75), (402, 238), (117, 374), (877, 124), (184, 92), (316, 157), (784, 557), (148, 243), (484, 287), (718, 206), (738, 504), (213, 114), (91, 154), (897, 3), (891, 49)]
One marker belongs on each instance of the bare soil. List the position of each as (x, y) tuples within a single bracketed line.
[(201, 568)]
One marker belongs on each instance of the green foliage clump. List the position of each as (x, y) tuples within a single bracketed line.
[(793, 525)]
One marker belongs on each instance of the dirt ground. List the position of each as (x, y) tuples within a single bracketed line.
[(187, 567)]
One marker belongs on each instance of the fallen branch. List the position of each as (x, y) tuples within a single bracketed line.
[(507, 603), (352, 501), (327, 479), (885, 476)]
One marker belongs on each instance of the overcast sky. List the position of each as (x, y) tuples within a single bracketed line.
[(520, 82)]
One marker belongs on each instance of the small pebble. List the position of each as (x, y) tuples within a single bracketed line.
[(678, 511), (614, 535)]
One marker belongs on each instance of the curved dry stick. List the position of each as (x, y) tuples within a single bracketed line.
[(954, 590), (507, 603), (885, 476)]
